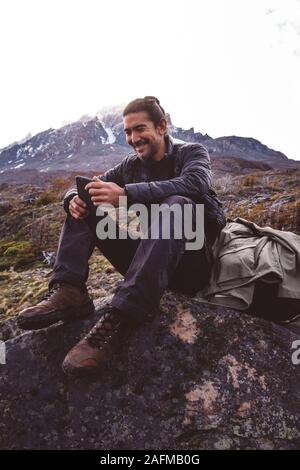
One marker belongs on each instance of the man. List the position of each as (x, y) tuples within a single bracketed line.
[(159, 172)]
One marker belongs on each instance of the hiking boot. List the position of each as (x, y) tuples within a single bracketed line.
[(62, 302), (95, 350)]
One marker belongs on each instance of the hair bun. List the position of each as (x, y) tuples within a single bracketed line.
[(150, 98)]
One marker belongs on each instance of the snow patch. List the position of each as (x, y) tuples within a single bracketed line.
[(69, 156), (111, 137), (19, 166), (22, 141)]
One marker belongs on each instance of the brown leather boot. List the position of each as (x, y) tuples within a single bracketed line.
[(95, 350), (62, 302)]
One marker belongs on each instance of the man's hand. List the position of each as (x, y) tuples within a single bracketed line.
[(104, 192), (77, 208)]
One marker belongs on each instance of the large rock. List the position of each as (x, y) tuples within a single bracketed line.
[(196, 377)]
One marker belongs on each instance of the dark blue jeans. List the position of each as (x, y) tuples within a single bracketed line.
[(149, 266)]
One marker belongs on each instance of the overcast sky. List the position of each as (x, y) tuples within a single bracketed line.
[(225, 67)]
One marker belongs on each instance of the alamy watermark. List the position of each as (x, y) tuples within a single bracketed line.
[(296, 353), (160, 221), (2, 352)]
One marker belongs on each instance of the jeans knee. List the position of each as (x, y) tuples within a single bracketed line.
[(177, 199)]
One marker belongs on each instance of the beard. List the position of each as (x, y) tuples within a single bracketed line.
[(148, 154)]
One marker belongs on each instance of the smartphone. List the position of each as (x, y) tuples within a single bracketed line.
[(81, 182)]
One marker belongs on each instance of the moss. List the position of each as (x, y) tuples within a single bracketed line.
[(17, 248), (38, 264), (98, 263), (5, 245), (19, 292)]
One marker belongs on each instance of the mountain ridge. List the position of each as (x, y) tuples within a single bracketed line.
[(99, 142)]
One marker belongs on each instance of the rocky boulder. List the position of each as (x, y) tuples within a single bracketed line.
[(195, 377)]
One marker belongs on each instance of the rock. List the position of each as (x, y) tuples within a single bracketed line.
[(31, 197), (9, 329), (281, 201), (49, 257), (196, 377), (258, 198)]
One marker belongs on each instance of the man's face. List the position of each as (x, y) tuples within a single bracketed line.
[(142, 134)]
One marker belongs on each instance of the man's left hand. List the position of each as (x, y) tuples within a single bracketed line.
[(104, 192)]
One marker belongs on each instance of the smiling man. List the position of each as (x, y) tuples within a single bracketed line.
[(160, 171), (140, 135)]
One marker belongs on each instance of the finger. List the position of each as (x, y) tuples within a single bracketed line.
[(78, 215), (97, 191), (79, 201), (74, 214), (78, 209), (99, 200), (75, 206), (94, 184)]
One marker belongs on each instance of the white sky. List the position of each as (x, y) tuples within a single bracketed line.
[(226, 67)]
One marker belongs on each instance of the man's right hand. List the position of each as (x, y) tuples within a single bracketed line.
[(77, 208)]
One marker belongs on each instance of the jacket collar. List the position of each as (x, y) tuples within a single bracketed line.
[(169, 146)]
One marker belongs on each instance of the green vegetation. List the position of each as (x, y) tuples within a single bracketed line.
[(266, 197)]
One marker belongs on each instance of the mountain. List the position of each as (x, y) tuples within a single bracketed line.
[(78, 145), (238, 147), (96, 143)]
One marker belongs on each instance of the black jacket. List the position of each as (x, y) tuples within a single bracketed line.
[(185, 170)]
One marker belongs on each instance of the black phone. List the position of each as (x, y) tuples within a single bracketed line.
[(81, 182)]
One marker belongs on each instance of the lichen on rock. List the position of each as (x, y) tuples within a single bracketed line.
[(228, 383)]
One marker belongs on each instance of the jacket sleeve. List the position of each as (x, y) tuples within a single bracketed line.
[(67, 198), (194, 179), (114, 175)]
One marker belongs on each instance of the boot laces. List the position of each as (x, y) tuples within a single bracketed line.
[(104, 329), (51, 291)]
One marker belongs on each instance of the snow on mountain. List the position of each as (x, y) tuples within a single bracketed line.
[(111, 137), (98, 142)]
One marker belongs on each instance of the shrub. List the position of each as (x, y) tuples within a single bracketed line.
[(47, 197), (249, 180)]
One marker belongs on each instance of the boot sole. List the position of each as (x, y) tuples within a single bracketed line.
[(90, 372), (84, 372), (45, 320)]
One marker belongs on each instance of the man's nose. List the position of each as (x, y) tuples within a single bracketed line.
[(135, 137)]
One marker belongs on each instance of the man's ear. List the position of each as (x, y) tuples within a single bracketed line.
[(162, 126)]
